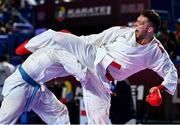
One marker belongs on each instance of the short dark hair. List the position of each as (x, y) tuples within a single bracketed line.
[(153, 17)]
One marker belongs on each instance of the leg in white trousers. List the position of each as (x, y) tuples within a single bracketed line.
[(45, 104), (97, 101), (13, 105), (50, 109)]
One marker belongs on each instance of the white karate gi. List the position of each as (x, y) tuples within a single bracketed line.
[(96, 52), (43, 65)]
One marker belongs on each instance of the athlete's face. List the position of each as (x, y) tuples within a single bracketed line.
[(142, 26)]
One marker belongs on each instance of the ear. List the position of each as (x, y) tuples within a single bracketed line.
[(150, 29)]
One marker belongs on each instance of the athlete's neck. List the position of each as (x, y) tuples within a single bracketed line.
[(144, 41)]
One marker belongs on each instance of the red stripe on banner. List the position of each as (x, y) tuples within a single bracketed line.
[(83, 113)]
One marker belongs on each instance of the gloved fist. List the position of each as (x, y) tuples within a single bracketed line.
[(155, 98)]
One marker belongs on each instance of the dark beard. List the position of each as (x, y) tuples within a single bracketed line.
[(141, 37)]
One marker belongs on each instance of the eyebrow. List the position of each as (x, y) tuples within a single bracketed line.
[(139, 21)]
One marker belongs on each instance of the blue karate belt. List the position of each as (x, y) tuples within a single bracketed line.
[(31, 82)]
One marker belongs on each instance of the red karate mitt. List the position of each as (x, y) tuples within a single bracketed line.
[(154, 98)]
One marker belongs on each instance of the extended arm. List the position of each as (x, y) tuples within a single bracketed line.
[(105, 37), (166, 69)]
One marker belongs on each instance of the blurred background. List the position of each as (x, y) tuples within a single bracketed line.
[(23, 19)]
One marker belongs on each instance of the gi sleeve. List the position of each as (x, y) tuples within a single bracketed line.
[(105, 37), (41, 40), (166, 69)]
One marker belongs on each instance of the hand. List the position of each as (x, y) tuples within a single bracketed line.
[(154, 98)]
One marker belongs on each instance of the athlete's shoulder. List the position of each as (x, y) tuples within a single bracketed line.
[(158, 51), (159, 45)]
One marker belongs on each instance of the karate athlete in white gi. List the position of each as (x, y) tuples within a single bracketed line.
[(25, 90), (116, 53)]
